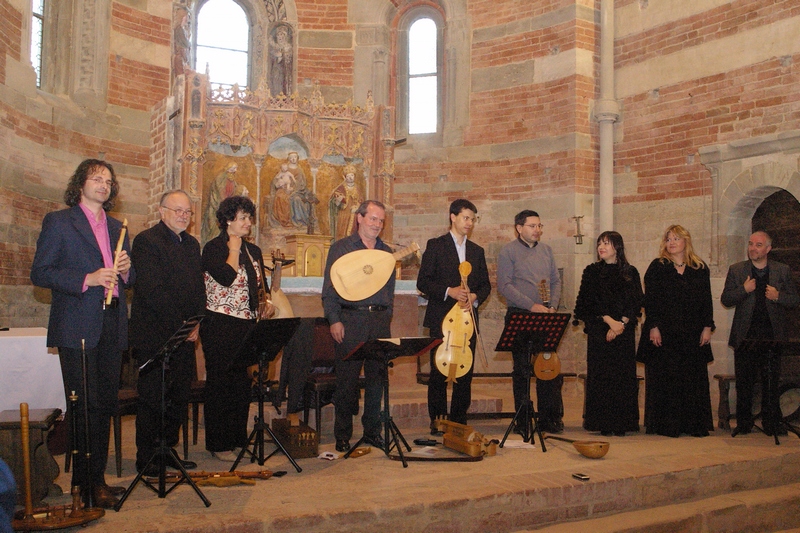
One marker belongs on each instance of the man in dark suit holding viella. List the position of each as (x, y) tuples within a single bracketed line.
[(440, 280), (761, 290), (75, 260)]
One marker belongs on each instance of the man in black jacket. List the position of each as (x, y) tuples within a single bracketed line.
[(761, 290), (440, 280), (169, 290)]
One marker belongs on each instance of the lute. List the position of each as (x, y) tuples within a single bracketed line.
[(283, 309), (360, 274), (547, 365)]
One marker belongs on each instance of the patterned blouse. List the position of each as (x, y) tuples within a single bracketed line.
[(233, 300)]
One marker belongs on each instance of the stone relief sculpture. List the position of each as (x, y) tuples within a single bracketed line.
[(181, 40), (302, 199), (223, 186), (281, 61), (343, 204)]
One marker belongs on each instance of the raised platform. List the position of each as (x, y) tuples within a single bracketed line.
[(517, 490)]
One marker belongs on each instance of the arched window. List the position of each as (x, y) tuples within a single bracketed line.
[(419, 91), (37, 38), (223, 42), (423, 77)]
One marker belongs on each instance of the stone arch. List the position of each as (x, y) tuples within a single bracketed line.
[(741, 198)]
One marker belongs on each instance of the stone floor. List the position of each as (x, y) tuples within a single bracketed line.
[(520, 489)]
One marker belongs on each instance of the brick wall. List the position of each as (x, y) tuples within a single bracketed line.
[(10, 35), (136, 85), (135, 82), (322, 15), (329, 67), (664, 128), (158, 160)]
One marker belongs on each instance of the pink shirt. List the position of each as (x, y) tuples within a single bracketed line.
[(100, 230)]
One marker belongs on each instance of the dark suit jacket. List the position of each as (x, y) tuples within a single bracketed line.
[(169, 287), (780, 277), (66, 252), (439, 271)]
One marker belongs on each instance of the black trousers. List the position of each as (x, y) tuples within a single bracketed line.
[(228, 393), (549, 403), (359, 326), (148, 412), (103, 368), (461, 398), (749, 365)]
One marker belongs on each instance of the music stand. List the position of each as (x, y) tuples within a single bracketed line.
[(385, 351), (532, 332), (261, 345), (773, 351), (163, 451)]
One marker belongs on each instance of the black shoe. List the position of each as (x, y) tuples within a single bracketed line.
[(116, 491), (102, 497), (187, 465), (375, 441), (770, 432), (150, 471), (342, 445), (435, 431), (743, 430), (606, 433)]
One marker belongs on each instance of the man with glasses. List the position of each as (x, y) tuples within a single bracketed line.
[(75, 260), (352, 323), (521, 266), (440, 280), (169, 290)]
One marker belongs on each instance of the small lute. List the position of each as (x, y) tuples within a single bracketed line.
[(283, 309), (547, 365), (360, 274)]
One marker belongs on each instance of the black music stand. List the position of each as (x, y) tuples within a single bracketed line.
[(773, 353), (386, 350), (261, 345), (531, 332), (163, 451)]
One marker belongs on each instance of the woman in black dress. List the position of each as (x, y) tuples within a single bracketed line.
[(233, 272), (675, 343), (609, 304)]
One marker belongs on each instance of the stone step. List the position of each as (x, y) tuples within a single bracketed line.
[(774, 509)]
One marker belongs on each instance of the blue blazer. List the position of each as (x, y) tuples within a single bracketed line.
[(65, 252)]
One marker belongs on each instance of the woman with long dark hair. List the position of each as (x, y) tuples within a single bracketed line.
[(609, 304), (675, 342), (233, 271)]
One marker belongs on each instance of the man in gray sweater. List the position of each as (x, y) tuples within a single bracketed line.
[(521, 266)]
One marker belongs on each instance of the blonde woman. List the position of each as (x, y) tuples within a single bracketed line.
[(675, 339)]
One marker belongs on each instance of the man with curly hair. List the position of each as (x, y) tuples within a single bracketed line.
[(75, 260)]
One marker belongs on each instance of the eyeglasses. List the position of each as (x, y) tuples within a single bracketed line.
[(180, 212), (534, 226), (100, 181), (474, 220)]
